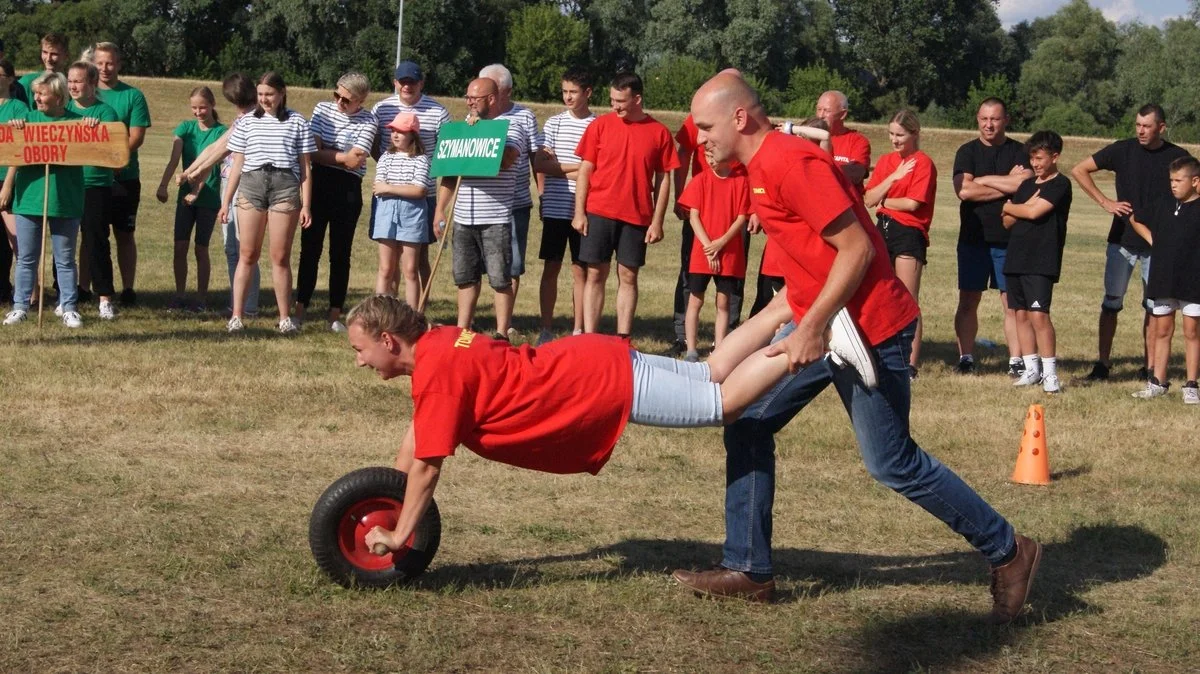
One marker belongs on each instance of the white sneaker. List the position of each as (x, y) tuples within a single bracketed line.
[(1191, 394), (337, 326), (288, 327), (1153, 390), (848, 349), (58, 311), (512, 335), (72, 319), (1029, 377), (1050, 384), (107, 311), (576, 332), (235, 324), (543, 337), (15, 316)]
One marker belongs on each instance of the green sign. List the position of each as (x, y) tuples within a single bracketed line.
[(469, 149)]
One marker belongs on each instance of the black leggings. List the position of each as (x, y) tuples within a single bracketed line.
[(6, 264), (336, 205), (94, 227)]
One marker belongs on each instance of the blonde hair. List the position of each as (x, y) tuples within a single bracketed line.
[(383, 313), (356, 84), (93, 75), (908, 120), (56, 83), (110, 47)]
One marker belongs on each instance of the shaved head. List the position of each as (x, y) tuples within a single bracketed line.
[(482, 86), (481, 97), (729, 117)]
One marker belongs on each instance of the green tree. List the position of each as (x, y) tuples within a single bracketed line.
[(1068, 119), (805, 86), (542, 43), (671, 84), (1162, 66)]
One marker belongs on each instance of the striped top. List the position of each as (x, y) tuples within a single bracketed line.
[(266, 140), (562, 133), (341, 132), (398, 168), (530, 140), (431, 114), (489, 201)]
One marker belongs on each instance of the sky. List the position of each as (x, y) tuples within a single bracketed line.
[(1152, 12)]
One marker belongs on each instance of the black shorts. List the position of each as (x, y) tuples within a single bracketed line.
[(902, 240), (698, 283), (1029, 292), (557, 236), (606, 236), (126, 195)]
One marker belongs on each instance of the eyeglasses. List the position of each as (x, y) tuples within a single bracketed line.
[(472, 99), (338, 98)]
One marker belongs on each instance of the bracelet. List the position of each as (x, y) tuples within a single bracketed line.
[(787, 128)]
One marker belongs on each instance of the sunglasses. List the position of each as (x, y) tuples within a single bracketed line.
[(338, 98)]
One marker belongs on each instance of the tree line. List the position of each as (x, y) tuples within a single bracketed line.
[(1075, 71)]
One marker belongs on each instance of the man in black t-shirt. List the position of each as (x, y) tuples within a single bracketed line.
[(1142, 167), (987, 171)]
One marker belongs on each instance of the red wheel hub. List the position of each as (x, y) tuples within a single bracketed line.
[(360, 519)]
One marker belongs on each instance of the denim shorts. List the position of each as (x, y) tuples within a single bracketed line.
[(269, 188), (981, 266), (1118, 269), (483, 249)]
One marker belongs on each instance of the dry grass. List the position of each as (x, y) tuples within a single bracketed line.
[(157, 478)]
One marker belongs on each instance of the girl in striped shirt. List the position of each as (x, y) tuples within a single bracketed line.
[(400, 218), (270, 174)]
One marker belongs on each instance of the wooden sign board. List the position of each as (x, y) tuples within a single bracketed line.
[(71, 143)]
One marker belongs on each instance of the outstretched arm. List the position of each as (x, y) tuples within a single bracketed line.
[(423, 477)]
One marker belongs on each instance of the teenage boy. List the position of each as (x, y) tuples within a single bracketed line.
[(621, 195), (54, 57), (1142, 168), (482, 220), (130, 104), (559, 165), (1172, 226), (1037, 216)]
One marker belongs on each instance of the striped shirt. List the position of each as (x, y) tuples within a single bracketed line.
[(431, 114), (489, 201), (398, 168), (266, 140), (341, 132), (562, 133), (530, 142)]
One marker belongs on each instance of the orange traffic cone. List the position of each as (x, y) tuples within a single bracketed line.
[(1033, 461)]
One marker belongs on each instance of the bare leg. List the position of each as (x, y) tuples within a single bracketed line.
[(627, 298), (503, 304), (203, 273), (1011, 338), (752, 335), (1107, 330), (389, 260), (548, 292), (593, 296), (1164, 331), (1191, 346), (410, 269), (578, 281), (283, 231), (908, 270), (722, 327), (1149, 343), (691, 321), (1026, 335), (251, 231), (468, 295), (1043, 327)]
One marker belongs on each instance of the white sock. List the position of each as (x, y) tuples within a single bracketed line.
[(1050, 366), (1031, 363), (1014, 360)]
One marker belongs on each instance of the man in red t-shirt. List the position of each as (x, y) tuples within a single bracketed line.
[(621, 195), (832, 257), (851, 149)]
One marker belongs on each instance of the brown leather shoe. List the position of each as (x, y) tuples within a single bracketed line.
[(725, 583), (1011, 582)]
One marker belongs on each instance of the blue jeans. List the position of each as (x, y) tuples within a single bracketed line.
[(880, 420), (63, 232), (229, 232), (1118, 269), (520, 237)]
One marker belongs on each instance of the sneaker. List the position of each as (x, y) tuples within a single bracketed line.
[(128, 298), (1191, 393), (1099, 373), (847, 348), (235, 324), (677, 349), (1153, 390), (72, 319), (1012, 581), (966, 365), (913, 373), (107, 311), (58, 311), (338, 327), (1029, 378), (288, 327), (1050, 384), (543, 337), (15, 316), (576, 332), (500, 337), (513, 335), (692, 357), (1016, 369)]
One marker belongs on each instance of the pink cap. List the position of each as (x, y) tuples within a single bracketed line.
[(405, 122)]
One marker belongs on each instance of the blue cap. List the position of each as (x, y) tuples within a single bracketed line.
[(407, 70)]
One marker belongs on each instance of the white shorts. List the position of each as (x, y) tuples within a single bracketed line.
[(1165, 306)]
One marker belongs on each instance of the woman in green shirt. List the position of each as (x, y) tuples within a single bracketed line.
[(23, 187), (10, 108)]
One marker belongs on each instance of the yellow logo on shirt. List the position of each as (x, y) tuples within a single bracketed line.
[(759, 190), (464, 340)]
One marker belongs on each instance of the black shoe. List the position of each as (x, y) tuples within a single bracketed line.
[(677, 349), (1015, 370), (913, 373), (1144, 374), (966, 365), (128, 298), (1099, 373)]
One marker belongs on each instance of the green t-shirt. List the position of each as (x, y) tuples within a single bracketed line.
[(130, 104), (96, 176), (11, 109), (26, 83), (195, 140), (66, 182)]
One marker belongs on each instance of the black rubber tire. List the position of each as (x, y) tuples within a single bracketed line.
[(344, 494)]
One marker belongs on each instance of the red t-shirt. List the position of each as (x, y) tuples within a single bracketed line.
[(852, 147), (919, 185), (771, 263), (720, 202), (559, 408), (626, 156), (688, 138), (797, 192)]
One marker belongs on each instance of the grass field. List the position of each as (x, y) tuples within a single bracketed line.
[(157, 477)]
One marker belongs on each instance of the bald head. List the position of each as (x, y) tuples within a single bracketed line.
[(729, 117), (833, 106), (481, 97)]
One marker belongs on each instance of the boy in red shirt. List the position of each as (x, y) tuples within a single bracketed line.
[(718, 204), (621, 195)]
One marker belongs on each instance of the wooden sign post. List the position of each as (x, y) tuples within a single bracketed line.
[(78, 142)]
